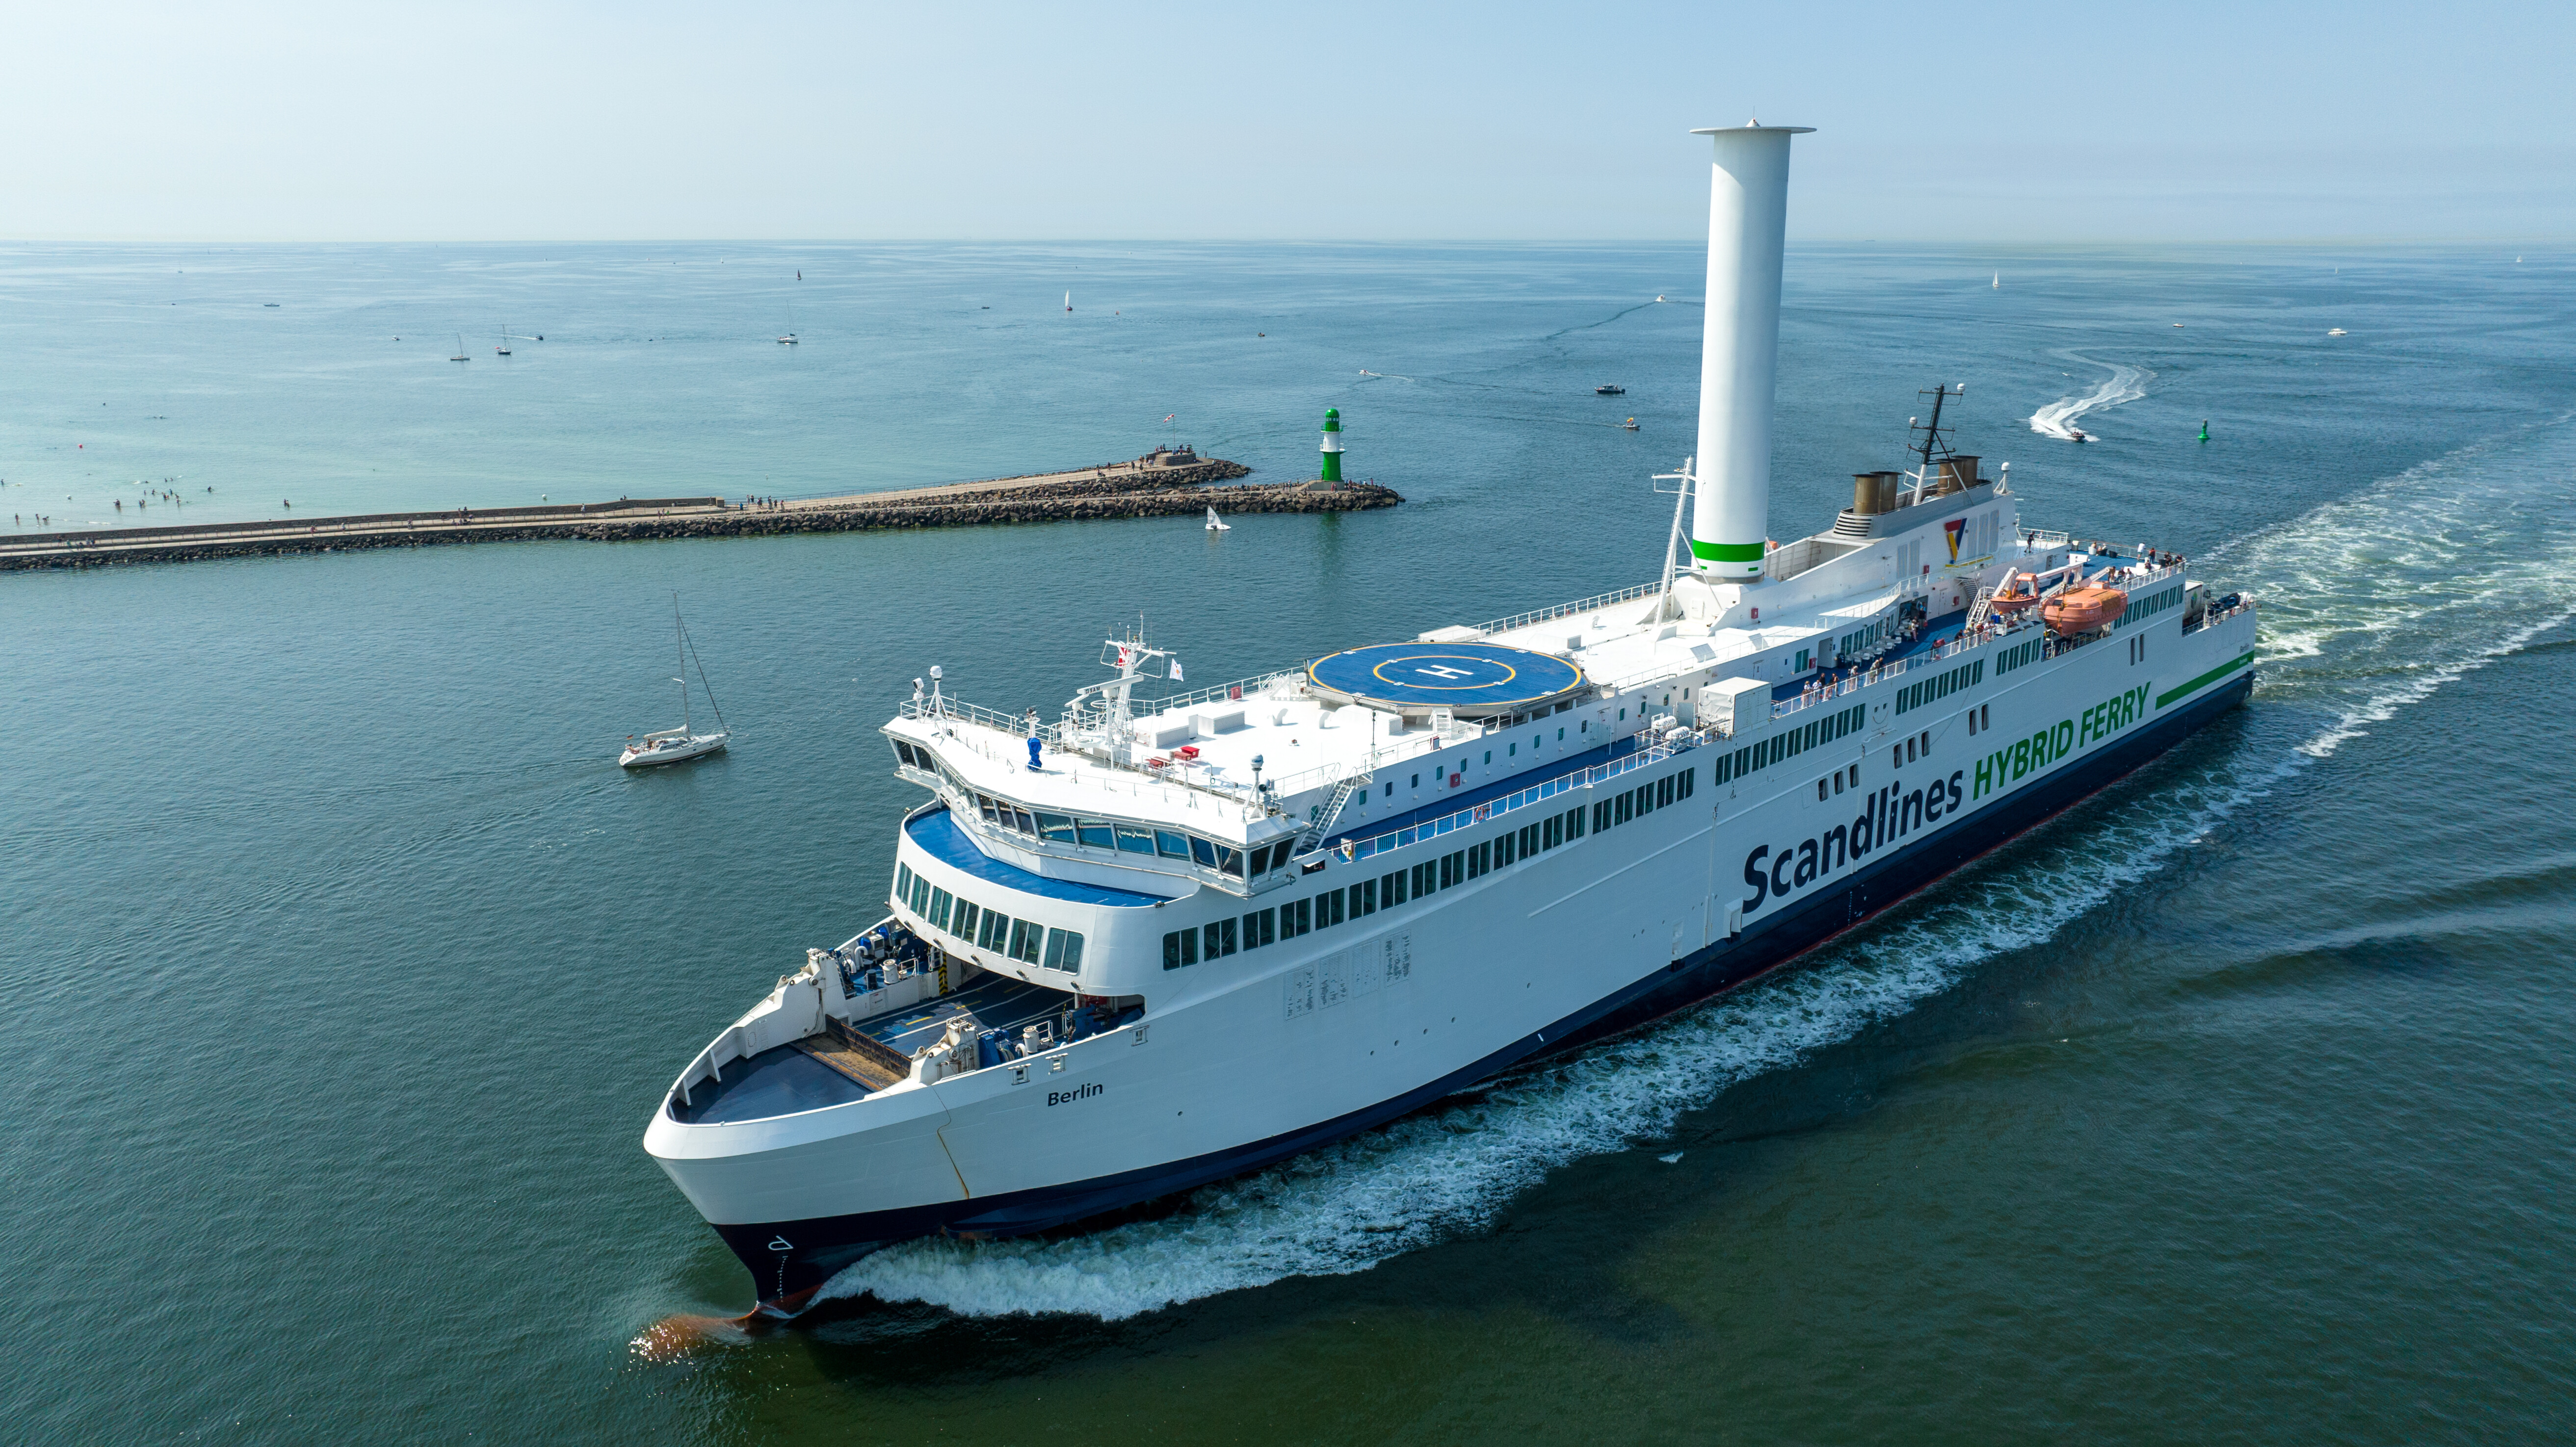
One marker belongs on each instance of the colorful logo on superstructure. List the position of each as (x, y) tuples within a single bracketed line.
[(1954, 529)]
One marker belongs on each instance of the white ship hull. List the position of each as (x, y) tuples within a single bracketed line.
[(1276, 1050), (1157, 944)]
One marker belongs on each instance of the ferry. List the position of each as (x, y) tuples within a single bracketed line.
[(1161, 941)]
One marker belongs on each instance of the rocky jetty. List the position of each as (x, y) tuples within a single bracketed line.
[(1145, 488)]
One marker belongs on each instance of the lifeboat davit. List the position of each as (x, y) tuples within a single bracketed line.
[(2018, 591), (2082, 610)]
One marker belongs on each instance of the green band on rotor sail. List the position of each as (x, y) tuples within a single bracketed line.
[(1726, 552)]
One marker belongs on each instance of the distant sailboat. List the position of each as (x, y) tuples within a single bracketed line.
[(1216, 524), (1068, 301), (1999, 281), (788, 338), (1630, 424), (504, 348), (460, 350)]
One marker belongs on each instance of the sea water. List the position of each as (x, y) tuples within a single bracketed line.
[(343, 966)]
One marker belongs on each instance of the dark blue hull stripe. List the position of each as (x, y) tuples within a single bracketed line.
[(822, 1246)]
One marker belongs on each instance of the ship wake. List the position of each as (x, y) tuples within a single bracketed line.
[(2057, 419), (2371, 604)]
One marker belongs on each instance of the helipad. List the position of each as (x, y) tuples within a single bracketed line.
[(1477, 678)]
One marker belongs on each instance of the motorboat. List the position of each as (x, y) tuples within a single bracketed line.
[(1609, 389)]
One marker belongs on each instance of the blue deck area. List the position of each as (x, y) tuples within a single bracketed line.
[(938, 833), (786, 1080), (1483, 676), (782, 1081), (998, 1002)]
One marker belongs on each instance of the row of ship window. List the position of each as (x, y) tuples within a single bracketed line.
[(1763, 753), (1932, 690), (989, 929), (1134, 839), (1112, 834), (2141, 609), (1219, 938), (1855, 644)]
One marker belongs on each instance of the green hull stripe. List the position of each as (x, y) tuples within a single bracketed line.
[(2205, 680), (1726, 552)]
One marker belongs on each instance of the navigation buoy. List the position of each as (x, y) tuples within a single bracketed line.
[(1332, 448), (2204, 429)]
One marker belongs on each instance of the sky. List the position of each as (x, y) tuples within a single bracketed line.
[(2067, 122)]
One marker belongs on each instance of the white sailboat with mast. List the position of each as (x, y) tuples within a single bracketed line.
[(670, 746)]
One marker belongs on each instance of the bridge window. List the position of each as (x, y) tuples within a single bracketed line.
[(1064, 949), (1171, 845), (965, 926), (1055, 828), (1230, 861), (1135, 839), (993, 932), (1205, 854), (1096, 835)]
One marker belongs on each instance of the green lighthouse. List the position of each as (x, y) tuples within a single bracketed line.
[(1332, 444)]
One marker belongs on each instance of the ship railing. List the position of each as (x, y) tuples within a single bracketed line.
[(1326, 776), (938, 707), (1568, 610), (1260, 686), (1651, 749)]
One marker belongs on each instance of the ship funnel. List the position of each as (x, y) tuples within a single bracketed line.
[(1748, 213)]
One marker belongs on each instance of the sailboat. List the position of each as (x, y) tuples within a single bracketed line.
[(1068, 302), (670, 746), (1216, 524), (1999, 282), (460, 350), (504, 348), (789, 339)]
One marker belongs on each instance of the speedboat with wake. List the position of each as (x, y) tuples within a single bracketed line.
[(1170, 938)]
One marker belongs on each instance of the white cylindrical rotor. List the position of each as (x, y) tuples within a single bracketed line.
[(1748, 211)]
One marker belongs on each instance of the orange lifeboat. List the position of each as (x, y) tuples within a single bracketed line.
[(2018, 591), (2082, 610)]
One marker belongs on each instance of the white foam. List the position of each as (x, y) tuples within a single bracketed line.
[(2370, 604), (2126, 384)]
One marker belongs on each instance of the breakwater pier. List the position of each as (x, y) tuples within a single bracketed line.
[(1162, 483)]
